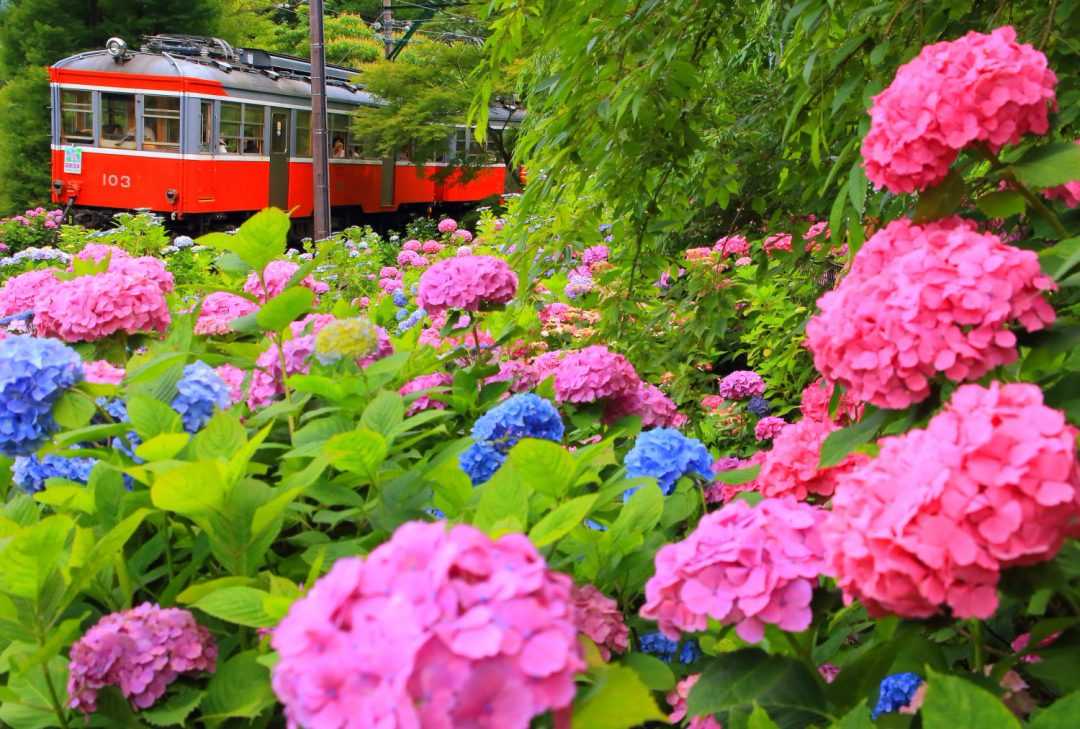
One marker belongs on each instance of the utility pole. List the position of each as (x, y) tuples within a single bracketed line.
[(387, 24), (320, 149)]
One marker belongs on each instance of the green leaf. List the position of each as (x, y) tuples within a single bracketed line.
[(33, 707), (162, 447), (175, 709), (953, 702), (546, 467), (857, 185), (504, 503), (738, 476), (151, 417), (942, 200), (220, 438), (384, 414), (260, 240), (651, 670), (359, 451), (857, 718), (734, 682), (1060, 258), (1049, 165), (239, 605), (759, 719), (617, 699), (196, 592), (32, 556), (285, 308), (842, 442), (560, 522), (239, 689), (74, 409), (1001, 204), (637, 517), (1059, 715)]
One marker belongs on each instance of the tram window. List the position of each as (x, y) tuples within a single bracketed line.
[(161, 122), (206, 128), (303, 134), (77, 117), (118, 120), (339, 135), (461, 139), (231, 127), (254, 121)]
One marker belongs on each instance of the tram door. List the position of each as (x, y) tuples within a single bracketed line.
[(279, 158)]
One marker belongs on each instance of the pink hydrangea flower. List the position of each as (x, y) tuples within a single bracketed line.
[(815, 401), (791, 467), (721, 493), (432, 247), (923, 300), (20, 293), (463, 235), (817, 229), (447, 225), (768, 427), (650, 403), (594, 373), (711, 403), (267, 380), (275, 276), (426, 382), (698, 254), (743, 566), (732, 245), (599, 617), (438, 628), (144, 267), (391, 284), (777, 242), (678, 700), (466, 282), (595, 254), (1020, 644), (411, 259), (829, 672), (992, 482), (979, 88), (98, 252), (744, 261), (140, 651), (389, 272), (89, 308), (412, 245), (519, 373), (464, 251), (218, 311), (383, 348), (741, 384), (102, 372), (234, 377)]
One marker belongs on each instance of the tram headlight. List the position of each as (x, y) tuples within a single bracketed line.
[(116, 47)]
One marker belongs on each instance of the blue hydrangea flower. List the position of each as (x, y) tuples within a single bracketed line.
[(759, 406), (666, 455), (480, 462), (896, 692), (198, 393), (401, 314), (665, 648), (521, 416), (595, 525), (30, 472), (400, 298), (33, 374), (117, 410)]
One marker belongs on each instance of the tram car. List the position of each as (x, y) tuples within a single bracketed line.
[(202, 132)]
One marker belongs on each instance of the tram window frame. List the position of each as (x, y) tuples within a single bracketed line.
[(72, 110), (207, 143), (254, 127), (124, 138), (161, 118), (335, 131), (303, 134)]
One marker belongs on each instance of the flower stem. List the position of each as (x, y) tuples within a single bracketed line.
[(978, 649), (54, 698)]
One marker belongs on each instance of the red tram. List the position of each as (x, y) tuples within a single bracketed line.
[(195, 129)]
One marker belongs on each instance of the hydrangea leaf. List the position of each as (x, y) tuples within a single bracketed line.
[(618, 699), (561, 521), (285, 308), (1059, 715), (239, 689), (239, 604), (1049, 165), (175, 709), (953, 702)]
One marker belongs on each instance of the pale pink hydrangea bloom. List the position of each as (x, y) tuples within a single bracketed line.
[(145, 267), (712, 403), (426, 382), (437, 628), (547, 364), (519, 373), (979, 88), (732, 245), (20, 293), (447, 225), (466, 282), (218, 311), (98, 252), (594, 373), (89, 308), (389, 272), (992, 482), (768, 427), (791, 467), (463, 235), (744, 261), (432, 247), (777, 242), (276, 275), (464, 251), (595, 254), (922, 300), (233, 376), (412, 245), (391, 284), (678, 699), (266, 379), (599, 617), (102, 372), (411, 259), (741, 384), (747, 566), (140, 651), (815, 401)]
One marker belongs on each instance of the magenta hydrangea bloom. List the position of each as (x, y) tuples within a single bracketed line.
[(595, 254), (275, 276), (777, 242), (922, 300), (978, 88), (594, 373), (447, 225), (600, 619), (470, 283), (437, 628), (650, 403), (732, 245), (120, 261), (102, 372), (741, 384), (411, 245), (678, 699), (266, 379), (814, 403), (410, 259), (769, 427), (791, 467), (20, 293), (89, 308), (233, 377), (425, 382), (219, 309), (992, 482), (518, 372), (140, 651), (463, 235), (743, 565)]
